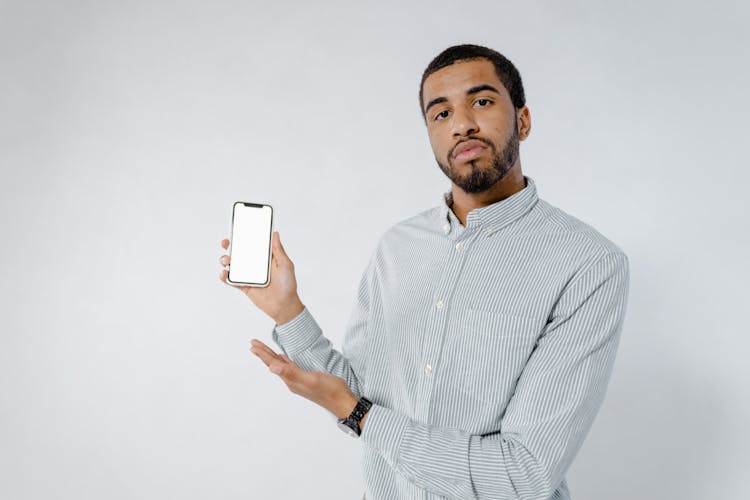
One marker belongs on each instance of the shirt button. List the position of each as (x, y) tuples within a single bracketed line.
[(439, 304), (460, 246), (446, 228), (427, 369), (488, 231)]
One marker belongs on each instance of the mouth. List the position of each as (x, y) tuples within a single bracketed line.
[(469, 150)]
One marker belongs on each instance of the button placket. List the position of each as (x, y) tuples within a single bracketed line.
[(443, 288)]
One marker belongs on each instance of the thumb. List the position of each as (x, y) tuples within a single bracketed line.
[(278, 247)]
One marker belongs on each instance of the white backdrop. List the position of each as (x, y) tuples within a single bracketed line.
[(128, 129)]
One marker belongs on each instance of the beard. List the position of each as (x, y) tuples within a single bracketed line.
[(481, 179)]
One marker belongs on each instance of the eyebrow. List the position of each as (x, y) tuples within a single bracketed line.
[(480, 88), (471, 91), (433, 102)]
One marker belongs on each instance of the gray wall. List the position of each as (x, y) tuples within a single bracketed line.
[(128, 129)]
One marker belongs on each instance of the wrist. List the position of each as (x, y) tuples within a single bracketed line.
[(345, 405), (289, 312)]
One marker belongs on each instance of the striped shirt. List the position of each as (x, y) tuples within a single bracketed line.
[(486, 349)]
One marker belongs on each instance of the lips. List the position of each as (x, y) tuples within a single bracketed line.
[(469, 149)]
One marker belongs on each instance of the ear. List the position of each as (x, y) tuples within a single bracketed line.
[(523, 118)]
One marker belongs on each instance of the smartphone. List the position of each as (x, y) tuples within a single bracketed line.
[(250, 244)]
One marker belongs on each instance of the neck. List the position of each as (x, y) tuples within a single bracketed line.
[(464, 202)]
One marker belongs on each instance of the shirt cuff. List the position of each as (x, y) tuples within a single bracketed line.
[(383, 431), (297, 334)]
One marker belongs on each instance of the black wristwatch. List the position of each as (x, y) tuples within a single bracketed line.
[(350, 424)]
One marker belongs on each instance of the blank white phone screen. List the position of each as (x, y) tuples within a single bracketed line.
[(251, 243)]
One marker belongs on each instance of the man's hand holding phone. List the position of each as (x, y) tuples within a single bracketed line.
[(279, 299)]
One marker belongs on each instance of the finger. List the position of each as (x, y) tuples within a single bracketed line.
[(247, 290), (265, 354), (225, 243), (290, 370), (224, 275), (260, 343), (224, 260), (263, 357), (257, 344), (275, 365)]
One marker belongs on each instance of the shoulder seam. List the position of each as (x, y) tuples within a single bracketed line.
[(593, 263), (599, 244)]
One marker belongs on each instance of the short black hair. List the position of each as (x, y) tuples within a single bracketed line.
[(506, 71)]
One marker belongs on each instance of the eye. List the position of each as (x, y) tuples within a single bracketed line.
[(443, 114), (482, 102)]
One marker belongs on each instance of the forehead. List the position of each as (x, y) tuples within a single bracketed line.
[(453, 81)]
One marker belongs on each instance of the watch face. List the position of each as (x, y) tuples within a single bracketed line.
[(346, 428)]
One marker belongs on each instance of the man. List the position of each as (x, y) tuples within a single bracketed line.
[(485, 329)]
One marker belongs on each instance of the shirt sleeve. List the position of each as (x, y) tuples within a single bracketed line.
[(556, 399), (302, 339)]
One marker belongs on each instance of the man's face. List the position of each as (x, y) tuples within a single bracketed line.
[(472, 124)]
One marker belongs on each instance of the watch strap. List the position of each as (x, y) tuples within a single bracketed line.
[(362, 407), (355, 417)]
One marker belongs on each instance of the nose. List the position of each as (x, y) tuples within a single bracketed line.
[(464, 123)]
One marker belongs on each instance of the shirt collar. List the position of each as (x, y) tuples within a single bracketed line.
[(494, 216)]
